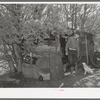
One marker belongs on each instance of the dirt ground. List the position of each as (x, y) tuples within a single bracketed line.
[(35, 83)]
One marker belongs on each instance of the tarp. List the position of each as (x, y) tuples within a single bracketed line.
[(32, 71)]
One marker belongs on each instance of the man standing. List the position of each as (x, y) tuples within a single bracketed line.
[(72, 50)]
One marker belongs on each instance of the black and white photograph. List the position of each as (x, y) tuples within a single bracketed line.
[(49, 45)]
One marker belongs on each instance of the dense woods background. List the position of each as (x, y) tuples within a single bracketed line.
[(24, 26)]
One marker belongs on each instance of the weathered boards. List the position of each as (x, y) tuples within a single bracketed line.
[(50, 60)]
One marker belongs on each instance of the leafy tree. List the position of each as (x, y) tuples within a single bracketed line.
[(15, 29), (24, 26)]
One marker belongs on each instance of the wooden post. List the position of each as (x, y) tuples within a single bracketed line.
[(86, 49), (56, 68)]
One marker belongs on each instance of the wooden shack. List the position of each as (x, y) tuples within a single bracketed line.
[(50, 60), (86, 46)]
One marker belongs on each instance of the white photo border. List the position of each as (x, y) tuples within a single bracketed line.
[(68, 93)]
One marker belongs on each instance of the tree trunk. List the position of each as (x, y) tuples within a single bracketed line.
[(75, 24), (73, 16), (84, 18), (14, 55), (66, 11), (11, 64), (8, 58), (18, 57)]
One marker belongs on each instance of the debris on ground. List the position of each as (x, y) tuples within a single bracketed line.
[(89, 81)]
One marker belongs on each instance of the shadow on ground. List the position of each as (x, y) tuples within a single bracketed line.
[(35, 83)]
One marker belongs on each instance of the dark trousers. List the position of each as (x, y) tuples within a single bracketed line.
[(72, 57)]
